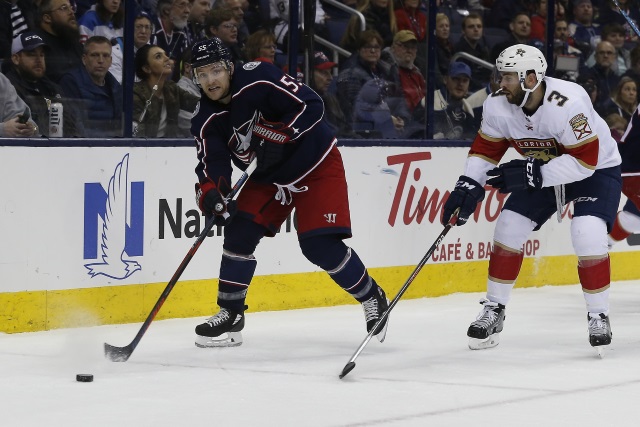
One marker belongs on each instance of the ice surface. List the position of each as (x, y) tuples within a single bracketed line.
[(286, 373)]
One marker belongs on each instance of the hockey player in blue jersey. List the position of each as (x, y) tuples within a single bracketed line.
[(628, 219), (256, 110)]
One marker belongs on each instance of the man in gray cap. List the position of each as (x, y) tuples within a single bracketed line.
[(27, 73)]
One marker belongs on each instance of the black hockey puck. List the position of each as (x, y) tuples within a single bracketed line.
[(84, 378)]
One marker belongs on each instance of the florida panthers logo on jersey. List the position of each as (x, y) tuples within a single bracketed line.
[(543, 149), (580, 126), (240, 142)]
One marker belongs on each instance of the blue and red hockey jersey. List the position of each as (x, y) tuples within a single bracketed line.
[(259, 89)]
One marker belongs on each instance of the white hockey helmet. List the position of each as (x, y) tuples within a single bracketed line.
[(521, 58)]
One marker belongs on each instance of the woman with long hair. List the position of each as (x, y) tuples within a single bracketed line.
[(157, 100), (624, 98), (444, 46), (379, 16), (261, 46)]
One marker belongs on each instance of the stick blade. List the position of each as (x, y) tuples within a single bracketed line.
[(347, 368), (117, 354)]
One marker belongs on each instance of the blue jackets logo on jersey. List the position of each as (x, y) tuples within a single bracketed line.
[(241, 140), (121, 211)]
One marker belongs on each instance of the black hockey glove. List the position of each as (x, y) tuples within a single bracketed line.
[(211, 202), (466, 195), (516, 175), (268, 141)]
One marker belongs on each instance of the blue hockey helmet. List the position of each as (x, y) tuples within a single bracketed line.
[(209, 51)]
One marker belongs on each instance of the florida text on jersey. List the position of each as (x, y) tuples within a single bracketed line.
[(565, 123)]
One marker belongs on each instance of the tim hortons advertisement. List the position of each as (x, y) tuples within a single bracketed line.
[(82, 217)]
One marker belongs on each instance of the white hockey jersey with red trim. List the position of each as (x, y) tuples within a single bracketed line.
[(565, 132)]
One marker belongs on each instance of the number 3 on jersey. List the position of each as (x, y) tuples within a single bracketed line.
[(290, 83), (558, 96)]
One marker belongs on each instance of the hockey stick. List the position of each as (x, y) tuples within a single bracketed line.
[(632, 24), (352, 362), (122, 354)]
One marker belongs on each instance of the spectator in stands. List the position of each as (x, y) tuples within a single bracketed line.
[(366, 66), (186, 83), (157, 101), (13, 22), (503, 11), (195, 26), (12, 107), (236, 7), (614, 34), (321, 81), (142, 30), (617, 125), (27, 73), (634, 62), (378, 16), (562, 47), (410, 17), (399, 58), (372, 116), (582, 29), (106, 18), (279, 14), (222, 24), (61, 35), (261, 46), (444, 46), (520, 28), (95, 92), (173, 16), (453, 116), (624, 99), (590, 86), (539, 19), (472, 43), (603, 74)]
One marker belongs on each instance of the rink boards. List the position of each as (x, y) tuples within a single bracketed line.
[(91, 235)]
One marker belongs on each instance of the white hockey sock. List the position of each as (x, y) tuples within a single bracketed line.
[(499, 292), (598, 302)]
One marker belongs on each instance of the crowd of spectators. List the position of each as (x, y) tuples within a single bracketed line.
[(69, 53)]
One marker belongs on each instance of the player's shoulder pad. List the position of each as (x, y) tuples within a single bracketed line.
[(564, 94), (257, 70)]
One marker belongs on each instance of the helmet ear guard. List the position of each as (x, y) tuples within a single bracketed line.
[(521, 59)]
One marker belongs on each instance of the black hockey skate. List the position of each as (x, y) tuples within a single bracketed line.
[(599, 331), (221, 330), (485, 331), (373, 308)]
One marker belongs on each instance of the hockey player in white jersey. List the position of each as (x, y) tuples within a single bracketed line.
[(569, 156)]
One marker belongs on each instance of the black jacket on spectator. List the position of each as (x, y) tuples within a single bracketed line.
[(607, 80), (61, 55), (100, 108), (503, 11), (352, 79), (38, 96), (479, 75)]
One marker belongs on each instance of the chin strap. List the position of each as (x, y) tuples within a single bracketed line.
[(527, 92)]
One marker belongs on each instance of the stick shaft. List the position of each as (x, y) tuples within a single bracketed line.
[(123, 353), (401, 292)]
